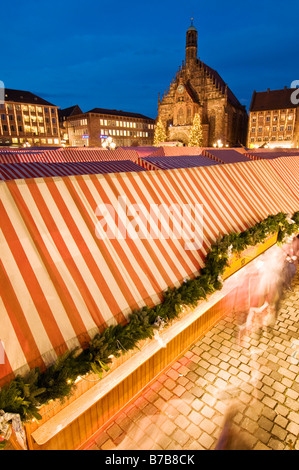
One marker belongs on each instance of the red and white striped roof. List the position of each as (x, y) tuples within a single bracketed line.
[(60, 283), (70, 155), (169, 163), (288, 170), (272, 154), (142, 151), (225, 155), (169, 151), (43, 170)]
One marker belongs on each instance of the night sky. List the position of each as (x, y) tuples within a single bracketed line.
[(121, 54)]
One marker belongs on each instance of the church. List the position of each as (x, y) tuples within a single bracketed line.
[(198, 89)]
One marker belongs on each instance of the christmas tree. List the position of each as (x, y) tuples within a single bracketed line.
[(196, 136), (160, 133)]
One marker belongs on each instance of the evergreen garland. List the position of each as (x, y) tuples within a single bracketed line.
[(25, 395)]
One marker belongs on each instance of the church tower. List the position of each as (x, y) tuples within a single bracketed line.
[(191, 47)]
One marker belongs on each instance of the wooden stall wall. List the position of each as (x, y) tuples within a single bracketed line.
[(80, 430)]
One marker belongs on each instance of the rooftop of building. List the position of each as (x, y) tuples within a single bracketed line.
[(71, 111), (114, 112), (272, 99), (26, 97)]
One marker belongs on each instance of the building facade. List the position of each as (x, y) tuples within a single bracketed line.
[(197, 88), (126, 129), (273, 119), (27, 119), (63, 115)]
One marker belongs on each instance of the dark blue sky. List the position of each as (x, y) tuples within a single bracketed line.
[(121, 54)]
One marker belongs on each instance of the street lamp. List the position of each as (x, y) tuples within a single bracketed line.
[(109, 144)]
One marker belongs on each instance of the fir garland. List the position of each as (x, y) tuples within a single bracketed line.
[(25, 395)]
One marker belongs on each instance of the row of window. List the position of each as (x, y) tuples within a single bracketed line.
[(15, 140), (40, 120), (28, 129), (259, 139), (274, 129), (117, 132), (32, 109), (134, 125), (274, 118)]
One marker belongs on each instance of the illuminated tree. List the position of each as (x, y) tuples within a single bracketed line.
[(160, 133), (196, 135)]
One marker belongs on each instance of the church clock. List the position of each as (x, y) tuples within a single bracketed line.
[(181, 88)]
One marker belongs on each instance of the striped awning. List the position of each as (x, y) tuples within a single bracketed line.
[(43, 170), (288, 170), (142, 151), (169, 151), (169, 163), (272, 154), (60, 283), (94, 154), (225, 155), (69, 155), (26, 157)]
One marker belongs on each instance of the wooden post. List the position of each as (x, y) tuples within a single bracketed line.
[(28, 436), (14, 442)]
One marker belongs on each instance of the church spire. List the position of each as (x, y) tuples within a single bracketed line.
[(191, 46)]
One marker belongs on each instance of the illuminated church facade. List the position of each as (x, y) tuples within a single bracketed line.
[(197, 88)]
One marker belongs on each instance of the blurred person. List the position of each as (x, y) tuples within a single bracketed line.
[(230, 437)]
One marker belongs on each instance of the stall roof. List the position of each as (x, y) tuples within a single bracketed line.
[(225, 155), (61, 283), (41, 170), (272, 154), (170, 151), (288, 170), (168, 163), (70, 155)]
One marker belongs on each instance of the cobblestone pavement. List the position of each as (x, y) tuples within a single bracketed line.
[(185, 407)]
